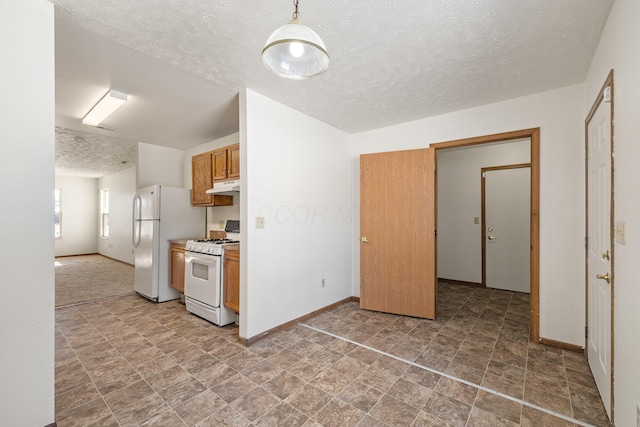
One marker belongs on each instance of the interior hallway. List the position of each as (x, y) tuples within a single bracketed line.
[(128, 362)]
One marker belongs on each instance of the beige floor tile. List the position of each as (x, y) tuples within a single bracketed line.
[(143, 359), (338, 414), (447, 408)]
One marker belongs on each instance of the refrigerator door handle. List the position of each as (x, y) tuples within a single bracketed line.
[(135, 220), (137, 207), (135, 233)]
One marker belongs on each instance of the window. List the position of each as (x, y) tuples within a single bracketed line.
[(57, 212), (104, 212)]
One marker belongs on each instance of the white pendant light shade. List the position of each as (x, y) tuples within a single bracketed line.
[(295, 51)]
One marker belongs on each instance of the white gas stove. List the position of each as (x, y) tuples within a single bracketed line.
[(204, 276)]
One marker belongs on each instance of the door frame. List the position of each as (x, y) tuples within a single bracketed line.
[(599, 98), (484, 217), (534, 261)]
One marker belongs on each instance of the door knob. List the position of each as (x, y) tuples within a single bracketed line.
[(492, 237), (604, 277), (364, 240)]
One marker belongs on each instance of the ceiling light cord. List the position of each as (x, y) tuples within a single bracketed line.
[(295, 13)]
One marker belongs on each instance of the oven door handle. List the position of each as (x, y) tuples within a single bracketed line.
[(189, 257)]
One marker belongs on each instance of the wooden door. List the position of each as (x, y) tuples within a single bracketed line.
[(506, 221), (397, 225), (600, 251), (201, 179)]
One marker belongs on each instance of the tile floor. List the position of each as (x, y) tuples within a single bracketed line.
[(128, 362)]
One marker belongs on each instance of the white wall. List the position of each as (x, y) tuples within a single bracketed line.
[(159, 165), (295, 174), (122, 188), (459, 201), (217, 213), (618, 49), (26, 185), (559, 114), (79, 215)]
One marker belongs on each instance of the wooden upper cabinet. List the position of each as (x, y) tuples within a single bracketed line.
[(220, 172), (201, 179), (233, 160), (226, 163), (202, 166)]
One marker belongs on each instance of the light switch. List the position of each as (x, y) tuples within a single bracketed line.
[(259, 222), (476, 220), (621, 232)]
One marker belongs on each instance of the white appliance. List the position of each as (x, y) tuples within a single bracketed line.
[(204, 277), (159, 215), (225, 187)]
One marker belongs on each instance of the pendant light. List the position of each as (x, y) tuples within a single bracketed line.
[(295, 51)]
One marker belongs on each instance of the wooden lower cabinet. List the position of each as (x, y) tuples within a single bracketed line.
[(232, 279), (177, 267)]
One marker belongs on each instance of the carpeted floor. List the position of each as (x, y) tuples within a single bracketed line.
[(86, 278)]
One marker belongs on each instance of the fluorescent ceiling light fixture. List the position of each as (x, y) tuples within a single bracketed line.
[(295, 51), (103, 109)]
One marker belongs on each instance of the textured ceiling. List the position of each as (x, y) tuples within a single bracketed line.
[(391, 61), (92, 156)]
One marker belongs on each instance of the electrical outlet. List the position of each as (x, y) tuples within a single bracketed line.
[(221, 225), (322, 283), (259, 222)]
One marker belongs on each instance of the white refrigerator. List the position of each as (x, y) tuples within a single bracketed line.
[(161, 214)]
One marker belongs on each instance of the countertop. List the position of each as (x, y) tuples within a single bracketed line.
[(181, 242)]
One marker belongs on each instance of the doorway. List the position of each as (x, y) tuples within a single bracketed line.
[(370, 271), (533, 135)]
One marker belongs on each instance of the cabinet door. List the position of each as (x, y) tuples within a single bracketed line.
[(177, 268), (232, 280), (233, 160), (220, 165), (201, 179)]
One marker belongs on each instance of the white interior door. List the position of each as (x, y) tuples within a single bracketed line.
[(599, 250), (507, 228)]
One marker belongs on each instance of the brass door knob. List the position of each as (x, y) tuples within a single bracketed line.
[(364, 240), (492, 237), (604, 277)]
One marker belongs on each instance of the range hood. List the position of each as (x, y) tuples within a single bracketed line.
[(225, 187)]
